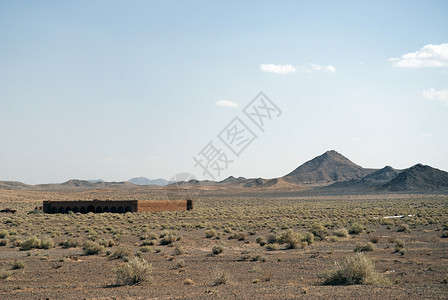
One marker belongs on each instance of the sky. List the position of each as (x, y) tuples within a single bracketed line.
[(122, 89)]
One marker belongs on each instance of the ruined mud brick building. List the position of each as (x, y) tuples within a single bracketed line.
[(113, 206)]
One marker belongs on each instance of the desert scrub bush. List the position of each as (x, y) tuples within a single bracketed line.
[(403, 228), (5, 274), (341, 232), (217, 249), (136, 270), (271, 247), (357, 269), (180, 263), (178, 249), (30, 243), (46, 243), (147, 243), (145, 249), (444, 234), (169, 238), (292, 239), (364, 247), (271, 238), (18, 264), (399, 245), (375, 239), (107, 243), (69, 244), (92, 248), (220, 277), (308, 238), (211, 233), (258, 258), (3, 233), (121, 252), (188, 281), (356, 228), (3, 242), (319, 230), (261, 241)]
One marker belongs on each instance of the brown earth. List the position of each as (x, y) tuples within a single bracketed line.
[(253, 272)]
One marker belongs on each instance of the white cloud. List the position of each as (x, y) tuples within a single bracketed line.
[(328, 68), (429, 56), (226, 103), (433, 94), (285, 69), (279, 69)]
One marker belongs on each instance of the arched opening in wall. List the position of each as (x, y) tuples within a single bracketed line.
[(120, 209), (83, 210), (61, 210), (113, 209), (68, 209), (75, 209), (90, 208), (106, 209), (98, 210), (54, 210), (189, 204), (127, 209)]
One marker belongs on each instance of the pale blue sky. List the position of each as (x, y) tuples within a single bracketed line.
[(120, 89)]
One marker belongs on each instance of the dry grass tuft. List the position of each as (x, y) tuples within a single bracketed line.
[(357, 269)]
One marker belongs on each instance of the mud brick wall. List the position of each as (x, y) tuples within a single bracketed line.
[(112, 206), (169, 205)]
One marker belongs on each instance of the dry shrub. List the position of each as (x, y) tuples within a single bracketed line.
[(375, 239), (319, 231), (356, 228), (18, 264), (121, 252), (211, 233), (364, 247), (136, 270), (5, 274), (169, 238), (292, 239), (69, 244), (35, 243), (357, 269), (92, 248), (217, 249), (220, 277), (341, 232), (403, 228)]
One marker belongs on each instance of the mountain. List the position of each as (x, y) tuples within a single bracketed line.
[(383, 175), (80, 184), (146, 181), (95, 180), (13, 185), (233, 180), (418, 178), (327, 168), (370, 182)]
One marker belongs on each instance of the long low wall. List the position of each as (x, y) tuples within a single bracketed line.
[(115, 206)]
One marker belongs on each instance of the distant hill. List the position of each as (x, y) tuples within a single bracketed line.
[(327, 168), (370, 182), (13, 185), (418, 178), (233, 180), (329, 173), (81, 184), (146, 181), (95, 180)]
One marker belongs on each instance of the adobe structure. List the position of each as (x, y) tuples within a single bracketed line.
[(114, 206)]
